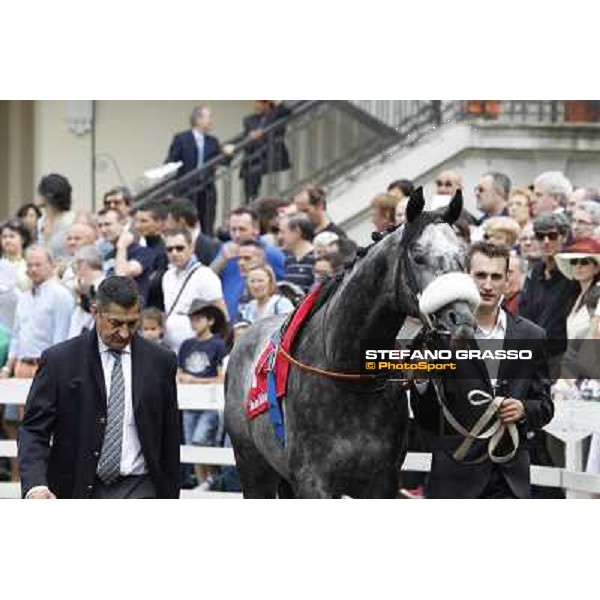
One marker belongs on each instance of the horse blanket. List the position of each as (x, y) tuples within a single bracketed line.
[(270, 376)]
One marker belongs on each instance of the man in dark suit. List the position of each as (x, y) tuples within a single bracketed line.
[(485, 470), (266, 152), (108, 401), (195, 148)]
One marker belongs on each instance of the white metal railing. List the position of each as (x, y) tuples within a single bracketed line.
[(573, 421)]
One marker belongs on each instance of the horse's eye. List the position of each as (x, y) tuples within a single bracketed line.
[(419, 259)]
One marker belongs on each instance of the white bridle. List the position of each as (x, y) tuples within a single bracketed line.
[(442, 291)]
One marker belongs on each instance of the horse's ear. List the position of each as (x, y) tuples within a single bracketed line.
[(415, 204), (454, 209)]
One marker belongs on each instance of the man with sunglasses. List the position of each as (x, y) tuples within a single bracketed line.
[(108, 401), (548, 295), (185, 280), (447, 183), (492, 194)]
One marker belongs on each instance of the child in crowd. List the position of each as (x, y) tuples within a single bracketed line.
[(201, 362), (153, 324)]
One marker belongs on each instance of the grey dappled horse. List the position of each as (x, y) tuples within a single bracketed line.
[(346, 437)]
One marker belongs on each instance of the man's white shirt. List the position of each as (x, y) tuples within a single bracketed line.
[(203, 284)]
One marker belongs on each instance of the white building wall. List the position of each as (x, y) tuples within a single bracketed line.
[(57, 150), (131, 136)]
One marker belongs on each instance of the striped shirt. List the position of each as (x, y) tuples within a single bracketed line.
[(300, 271)]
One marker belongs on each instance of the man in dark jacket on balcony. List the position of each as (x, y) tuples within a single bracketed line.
[(266, 151), (195, 148)]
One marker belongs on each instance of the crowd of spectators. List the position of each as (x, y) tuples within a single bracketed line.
[(201, 292)]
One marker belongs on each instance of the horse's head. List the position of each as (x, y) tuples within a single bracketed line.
[(432, 268)]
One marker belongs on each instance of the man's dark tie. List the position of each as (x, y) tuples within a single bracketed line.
[(110, 458)]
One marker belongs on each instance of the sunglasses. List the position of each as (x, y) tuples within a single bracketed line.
[(175, 248), (551, 235), (441, 183), (584, 262)]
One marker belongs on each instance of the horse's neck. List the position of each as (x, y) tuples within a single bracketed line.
[(364, 308)]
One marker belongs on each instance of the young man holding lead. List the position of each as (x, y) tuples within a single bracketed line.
[(497, 466)]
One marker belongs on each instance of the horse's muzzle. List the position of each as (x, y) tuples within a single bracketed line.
[(456, 319), (448, 303)]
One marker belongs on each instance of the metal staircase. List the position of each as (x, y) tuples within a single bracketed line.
[(326, 139)]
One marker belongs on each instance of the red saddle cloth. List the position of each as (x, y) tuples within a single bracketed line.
[(257, 401)]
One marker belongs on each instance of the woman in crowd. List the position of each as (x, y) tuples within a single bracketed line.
[(54, 195), (30, 214), (529, 247), (265, 300), (501, 231), (14, 238), (383, 211), (581, 262), (518, 206)]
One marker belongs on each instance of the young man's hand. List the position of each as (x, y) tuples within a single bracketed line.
[(125, 240), (511, 410), (228, 149), (230, 250)]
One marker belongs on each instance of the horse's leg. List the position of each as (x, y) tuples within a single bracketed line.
[(285, 490), (381, 485), (258, 478), (385, 480), (310, 483)]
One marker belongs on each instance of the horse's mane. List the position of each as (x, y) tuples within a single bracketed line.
[(409, 233), (333, 282)]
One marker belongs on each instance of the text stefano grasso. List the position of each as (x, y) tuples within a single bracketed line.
[(499, 354)]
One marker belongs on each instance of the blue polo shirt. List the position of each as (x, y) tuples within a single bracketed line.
[(233, 283), (145, 256)]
